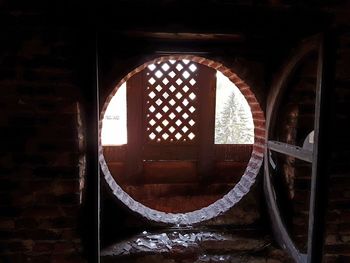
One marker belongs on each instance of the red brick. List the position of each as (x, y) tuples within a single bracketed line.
[(258, 123), (259, 132)]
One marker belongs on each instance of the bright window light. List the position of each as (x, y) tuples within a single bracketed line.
[(114, 127), (233, 117)]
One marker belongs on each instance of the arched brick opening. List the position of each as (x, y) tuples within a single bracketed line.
[(236, 193)]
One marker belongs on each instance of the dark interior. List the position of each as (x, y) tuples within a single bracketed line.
[(60, 60)]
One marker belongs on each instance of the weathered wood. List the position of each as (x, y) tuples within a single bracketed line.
[(170, 172), (187, 36), (291, 150), (220, 14), (118, 172), (322, 148), (91, 205), (115, 153), (170, 152), (134, 96), (207, 86), (157, 172), (229, 171), (222, 152)]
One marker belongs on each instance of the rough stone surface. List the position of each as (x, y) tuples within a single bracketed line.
[(193, 245)]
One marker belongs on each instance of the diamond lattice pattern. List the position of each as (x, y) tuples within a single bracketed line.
[(171, 101)]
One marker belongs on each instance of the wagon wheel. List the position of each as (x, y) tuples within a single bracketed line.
[(314, 154)]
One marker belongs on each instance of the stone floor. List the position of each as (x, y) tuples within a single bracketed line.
[(186, 245)]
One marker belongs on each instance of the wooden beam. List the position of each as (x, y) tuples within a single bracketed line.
[(291, 150), (222, 152), (322, 148), (186, 36), (90, 212), (207, 86), (172, 17), (135, 127)]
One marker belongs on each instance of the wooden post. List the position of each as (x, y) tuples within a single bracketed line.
[(135, 126), (322, 149), (207, 88), (89, 223)]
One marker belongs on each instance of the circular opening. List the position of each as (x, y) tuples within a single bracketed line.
[(175, 98)]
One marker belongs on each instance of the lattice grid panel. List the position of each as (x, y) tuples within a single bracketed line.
[(171, 101)]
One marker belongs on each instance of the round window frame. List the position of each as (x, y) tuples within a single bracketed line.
[(235, 194)]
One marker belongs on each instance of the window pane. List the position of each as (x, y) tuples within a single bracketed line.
[(114, 130), (233, 117)]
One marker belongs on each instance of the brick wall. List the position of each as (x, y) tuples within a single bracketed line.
[(39, 178), (338, 226)]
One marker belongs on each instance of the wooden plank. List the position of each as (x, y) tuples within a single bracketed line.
[(207, 88), (158, 172), (170, 172), (220, 12), (186, 36), (291, 150), (169, 152), (229, 172), (117, 170), (222, 152), (322, 148), (184, 171), (115, 153), (134, 96)]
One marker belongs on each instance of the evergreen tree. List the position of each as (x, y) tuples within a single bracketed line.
[(232, 125)]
